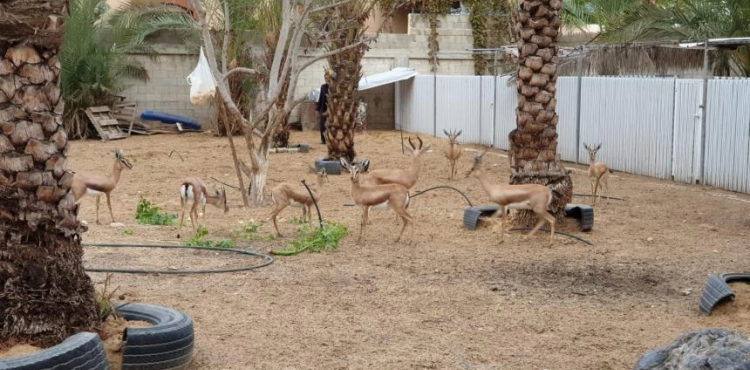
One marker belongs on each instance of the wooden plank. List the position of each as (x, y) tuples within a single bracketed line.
[(100, 109)]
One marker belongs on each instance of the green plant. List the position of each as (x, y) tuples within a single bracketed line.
[(198, 240), (325, 238), (103, 297), (148, 214), (298, 220), (127, 232), (250, 231)]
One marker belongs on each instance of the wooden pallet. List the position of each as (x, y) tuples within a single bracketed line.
[(125, 112), (105, 123)]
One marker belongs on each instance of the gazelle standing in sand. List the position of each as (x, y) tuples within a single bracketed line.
[(454, 151), (96, 185), (285, 194), (195, 190), (598, 172), (395, 196), (533, 197)]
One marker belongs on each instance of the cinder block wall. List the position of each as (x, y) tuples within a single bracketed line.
[(168, 90)]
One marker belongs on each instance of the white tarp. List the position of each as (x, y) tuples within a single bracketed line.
[(379, 79)]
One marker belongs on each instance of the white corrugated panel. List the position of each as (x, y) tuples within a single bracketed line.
[(727, 131), (457, 106), (505, 110), (422, 115), (404, 97), (566, 95), (487, 110), (686, 139), (633, 120)]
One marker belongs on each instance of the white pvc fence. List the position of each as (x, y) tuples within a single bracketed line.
[(647, 125)]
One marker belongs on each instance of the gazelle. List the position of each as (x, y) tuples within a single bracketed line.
[(96, 185), (194, 189), (285, 194), (512, 149), (395, 196), (533, 197), (454, 151), (405, 177), (598, 172)]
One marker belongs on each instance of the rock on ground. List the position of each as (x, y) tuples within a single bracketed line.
[(707, 349)]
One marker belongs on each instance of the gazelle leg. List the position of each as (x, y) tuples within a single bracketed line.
[(97, 209), (606, 186), (363, 224), (109, 205), (593, 193), (274, 213), (182, 206), (407, 219)]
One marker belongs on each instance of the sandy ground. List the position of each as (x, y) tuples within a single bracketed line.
[(454, 299)]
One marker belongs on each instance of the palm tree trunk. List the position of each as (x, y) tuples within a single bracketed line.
[(538, 30), (45, 295), (342, 103)]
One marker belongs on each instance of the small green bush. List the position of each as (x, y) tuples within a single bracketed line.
[(326, 238), (149, 214), (198, 240)]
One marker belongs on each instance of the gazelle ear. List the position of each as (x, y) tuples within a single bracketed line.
[(459, 133), (598, 146), (586, 146), (344, 163), (366, 165)]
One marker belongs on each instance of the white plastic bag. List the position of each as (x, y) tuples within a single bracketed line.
[(201, 81)]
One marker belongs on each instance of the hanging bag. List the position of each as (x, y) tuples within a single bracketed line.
[(201, 81)]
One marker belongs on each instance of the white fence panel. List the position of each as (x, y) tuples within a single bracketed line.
[(633, 120), (487, 110), (567, 90), (505, 111), (421, 117), (727, 131), (686, 149), (457, 106)]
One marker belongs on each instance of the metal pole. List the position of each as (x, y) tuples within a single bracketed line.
[(703, 112), (494, 102), (579, 73)]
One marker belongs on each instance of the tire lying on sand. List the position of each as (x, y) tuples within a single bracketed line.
[(168, 344), (82, 351)]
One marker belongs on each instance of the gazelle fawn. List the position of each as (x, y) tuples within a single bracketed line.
[(195, 190), (454, 151), (285, 195), (96, 185), (395, 196), (598, 172), (531, 197)]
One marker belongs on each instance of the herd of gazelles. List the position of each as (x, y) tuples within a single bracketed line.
[(376, 189)]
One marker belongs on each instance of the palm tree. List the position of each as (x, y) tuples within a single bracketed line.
[(45, 295), (536, 160), (690, 20)]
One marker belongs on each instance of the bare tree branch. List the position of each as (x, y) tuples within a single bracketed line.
[(225, 45), (239, 70), (330, 6)]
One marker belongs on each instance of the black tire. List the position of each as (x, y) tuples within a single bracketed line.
[(717, 290), (472, 215), (83, 351), (583, 213), (168, 344)]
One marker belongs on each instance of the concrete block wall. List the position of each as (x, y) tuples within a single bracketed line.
[(168, 90)]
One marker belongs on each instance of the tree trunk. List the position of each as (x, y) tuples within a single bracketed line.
[(538, 31), (45, 296), (258, 179)]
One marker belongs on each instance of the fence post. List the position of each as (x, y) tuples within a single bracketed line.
[(579, 73), (703, 113)]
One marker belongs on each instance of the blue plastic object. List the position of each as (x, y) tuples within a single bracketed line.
[(186, 122)]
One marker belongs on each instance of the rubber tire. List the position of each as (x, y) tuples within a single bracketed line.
[(717, 290), (331, 167), (472, 215), (583, 213), (168, 344), (83, 351)]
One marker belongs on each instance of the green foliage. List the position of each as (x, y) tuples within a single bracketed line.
[(298, 220), (251, 231), (325, 238), (148, 214), (103, 298), (94, 57), (127, 232), (199, 240), (689, 20)]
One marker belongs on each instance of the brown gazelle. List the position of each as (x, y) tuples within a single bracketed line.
[(285, 195), (598, 172), (406, 177), (454, 151), (512, 137), (96, 185), (195, 190), (531, 197), (395, 196)]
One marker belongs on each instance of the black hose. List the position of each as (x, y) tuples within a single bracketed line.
[(601, 196), (267, 259), (178, 154), (443, 187), (315, 202), (556, 232), (225, 184)]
